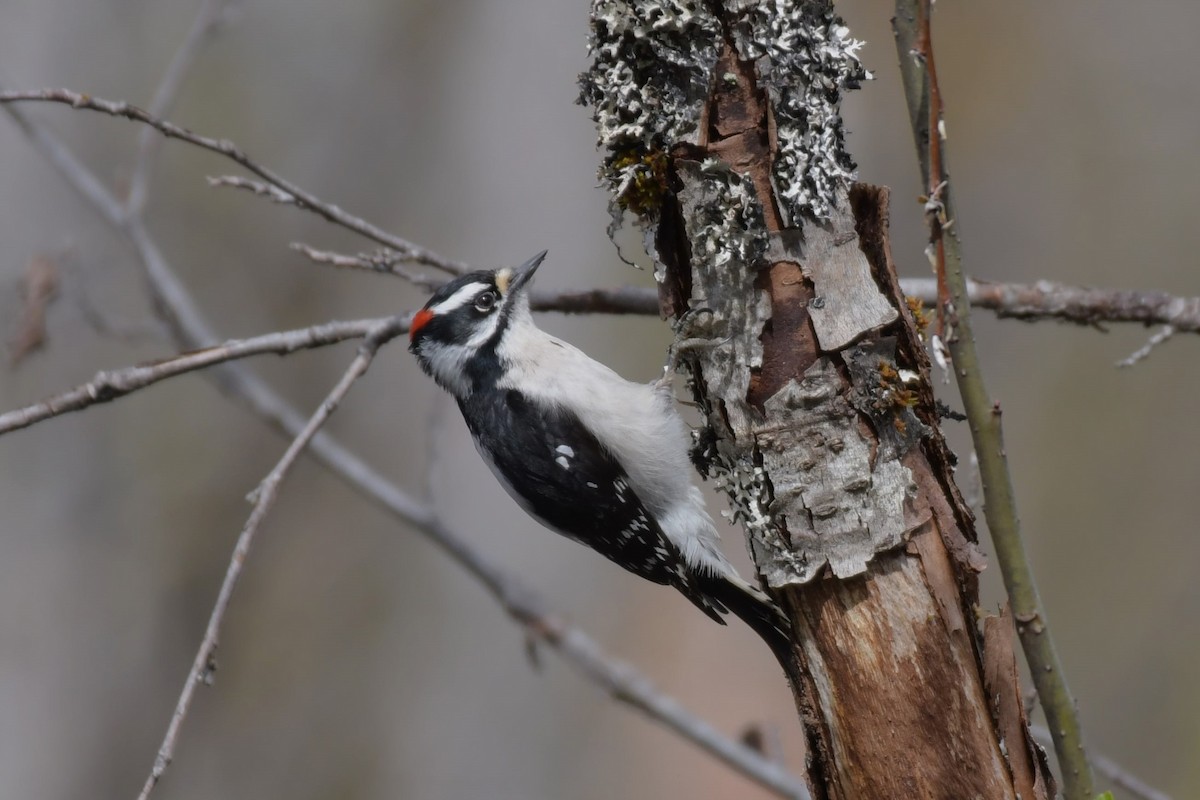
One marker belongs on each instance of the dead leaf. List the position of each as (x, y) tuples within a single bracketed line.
[(39, 287)]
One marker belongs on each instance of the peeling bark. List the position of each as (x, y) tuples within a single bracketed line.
[(821, 424), (1031, 772)]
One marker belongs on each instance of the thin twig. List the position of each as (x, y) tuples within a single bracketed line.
[(384, 261), (915, 48), (190, 329), (1160, 336), (111, 384), (209, 19), (231, 151), (272, 193), (264, 499), (1120, 777)]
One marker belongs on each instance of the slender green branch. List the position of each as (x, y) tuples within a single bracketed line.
[(911, 25)]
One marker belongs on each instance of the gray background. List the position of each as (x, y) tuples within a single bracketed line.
[(358, 662)]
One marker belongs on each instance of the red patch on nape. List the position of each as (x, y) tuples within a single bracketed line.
[(419, 320)]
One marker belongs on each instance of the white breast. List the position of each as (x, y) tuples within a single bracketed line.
[(636, 422)]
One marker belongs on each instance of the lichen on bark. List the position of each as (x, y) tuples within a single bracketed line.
[(647, 86), (805, 58), (841, 503), (723, 220)]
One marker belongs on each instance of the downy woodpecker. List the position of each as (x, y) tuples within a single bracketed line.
[(588, 454)]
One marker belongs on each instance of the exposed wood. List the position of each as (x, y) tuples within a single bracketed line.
[(900, 694)]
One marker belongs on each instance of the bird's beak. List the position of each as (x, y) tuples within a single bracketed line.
[(524, 273)]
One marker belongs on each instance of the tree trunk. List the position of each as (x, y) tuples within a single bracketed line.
[(722, 135)]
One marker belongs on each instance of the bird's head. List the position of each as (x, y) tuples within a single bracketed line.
[(455, 335)]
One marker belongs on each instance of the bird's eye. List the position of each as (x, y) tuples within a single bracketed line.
[(485, 302)]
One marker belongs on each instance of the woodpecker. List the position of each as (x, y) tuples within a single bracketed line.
[(586, 453)]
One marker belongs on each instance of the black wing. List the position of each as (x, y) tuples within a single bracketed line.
[(557, 470)]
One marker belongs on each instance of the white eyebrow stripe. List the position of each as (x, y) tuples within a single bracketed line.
[(460, 298)]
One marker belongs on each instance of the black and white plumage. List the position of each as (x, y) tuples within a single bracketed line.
[(590, 455)]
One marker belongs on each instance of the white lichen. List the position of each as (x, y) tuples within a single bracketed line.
[(749, 492), (805, 58), (725, 219), (724, 224), (652, 65)]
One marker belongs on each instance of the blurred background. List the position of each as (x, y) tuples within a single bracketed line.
[(357, 661)]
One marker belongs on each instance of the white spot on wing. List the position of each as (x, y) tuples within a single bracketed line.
[(565, 450), (562, 462)]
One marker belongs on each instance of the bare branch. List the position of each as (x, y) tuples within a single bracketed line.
[(264, 499), (82, 180), (1029, 302), (1042, 300), (231, 151), (623, 300), (384, 261), (111, 384), (915, 48), (210, 18), (190, 329), (1082, 305), (1021, 301)]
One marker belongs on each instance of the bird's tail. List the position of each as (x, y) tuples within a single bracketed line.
[(753, 607)]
